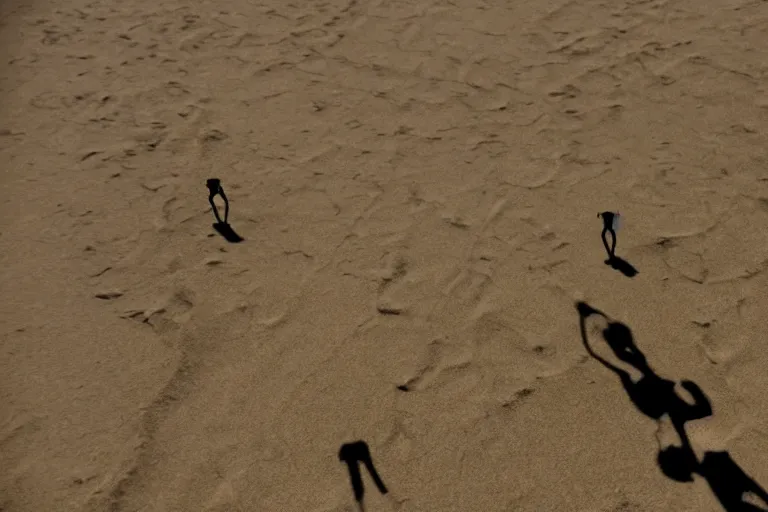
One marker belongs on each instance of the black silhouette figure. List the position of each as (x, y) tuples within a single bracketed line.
[(656, 397), (223, 227), (214, 189), (608, 221), (352, 454), (614, 261)]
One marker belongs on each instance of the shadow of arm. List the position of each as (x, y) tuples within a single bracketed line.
[(586, 310), (702, 407)]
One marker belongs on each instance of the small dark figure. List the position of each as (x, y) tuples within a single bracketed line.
[(609, 223), (352, 454), (214, 189)]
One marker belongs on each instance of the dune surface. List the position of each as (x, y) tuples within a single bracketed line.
[(416, 187)]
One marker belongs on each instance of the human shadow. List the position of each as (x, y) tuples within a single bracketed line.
[(226, 231), (730, 483), (656, 397), (653, 395), (353, 454), (622, 266)]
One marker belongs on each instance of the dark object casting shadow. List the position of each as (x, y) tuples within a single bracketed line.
[(353, 454), (221, 226), (614, 261)]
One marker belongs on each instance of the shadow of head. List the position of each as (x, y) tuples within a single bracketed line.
[(677, 463)]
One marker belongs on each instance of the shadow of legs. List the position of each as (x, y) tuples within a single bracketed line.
[(228, 233)]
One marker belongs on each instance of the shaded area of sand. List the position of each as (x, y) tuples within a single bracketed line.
[(416, 184)]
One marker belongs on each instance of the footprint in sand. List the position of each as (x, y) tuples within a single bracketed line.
[(168, 314), (390, 278), (16, 435), (224, 499), (511, 359), (492, 359), (443, 362)]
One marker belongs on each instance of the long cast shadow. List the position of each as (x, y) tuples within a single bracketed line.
[(353, 454), (622, 266), (226, 231), (651, 394), (656, 397), (730, 483)]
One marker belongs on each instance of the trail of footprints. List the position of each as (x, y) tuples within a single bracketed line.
[(491, 348), (445, 360)]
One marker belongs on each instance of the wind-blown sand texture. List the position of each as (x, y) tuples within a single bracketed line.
[(417, 184)]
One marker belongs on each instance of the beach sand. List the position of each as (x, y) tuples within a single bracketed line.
[(416, 184)]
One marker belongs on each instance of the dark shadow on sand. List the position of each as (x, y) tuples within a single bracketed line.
[(353, 454), (657, 398), (730, 483), (622, 266), (227, 232)]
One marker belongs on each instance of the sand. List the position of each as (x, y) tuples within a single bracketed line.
[(416, 184)]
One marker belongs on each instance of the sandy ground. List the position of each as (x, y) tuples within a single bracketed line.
[(417, 185)]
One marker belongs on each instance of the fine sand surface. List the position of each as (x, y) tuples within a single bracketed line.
[(417, 184)]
